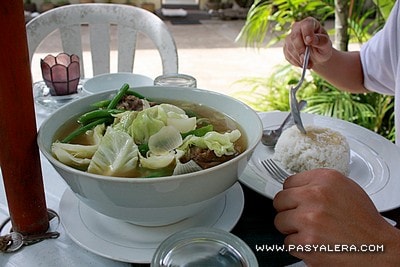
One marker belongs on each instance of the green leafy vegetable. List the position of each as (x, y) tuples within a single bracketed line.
[(166, 139), (116, 155), (143, 149), (155, 162), (220, 143), (149, 121), (76, 155)]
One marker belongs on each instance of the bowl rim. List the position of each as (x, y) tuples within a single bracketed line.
[(53, 160)]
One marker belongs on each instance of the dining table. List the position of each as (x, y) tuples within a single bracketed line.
[(255, 227)]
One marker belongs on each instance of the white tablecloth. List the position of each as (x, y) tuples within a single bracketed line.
[(58, 252)]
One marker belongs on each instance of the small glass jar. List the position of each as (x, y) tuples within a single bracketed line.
[(203, 246), (180, 80)]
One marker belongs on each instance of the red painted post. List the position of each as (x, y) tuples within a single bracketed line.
[(19, 153)]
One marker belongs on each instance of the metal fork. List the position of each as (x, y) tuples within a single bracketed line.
[(276, 172), (294, 104)]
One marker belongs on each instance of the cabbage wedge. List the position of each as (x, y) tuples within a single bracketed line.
[(220, 143), (157, 161), (165, 140), (188, 167), (149, 121), (162, 147), (79, 156), (117, 154)]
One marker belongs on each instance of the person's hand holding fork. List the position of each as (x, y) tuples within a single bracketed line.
[(325, 208)]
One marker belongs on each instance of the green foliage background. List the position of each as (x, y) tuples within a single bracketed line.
[(273, 18)]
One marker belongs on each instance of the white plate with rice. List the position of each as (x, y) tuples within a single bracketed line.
[(373, 160)]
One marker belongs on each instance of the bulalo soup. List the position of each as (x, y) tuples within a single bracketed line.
[(203, 157)]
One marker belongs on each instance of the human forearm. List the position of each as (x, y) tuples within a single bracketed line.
[(343, 70)]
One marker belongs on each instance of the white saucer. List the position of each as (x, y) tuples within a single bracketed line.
[(114, 81), (122, 241)]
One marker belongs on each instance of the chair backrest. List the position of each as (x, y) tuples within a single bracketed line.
[(99, 18)]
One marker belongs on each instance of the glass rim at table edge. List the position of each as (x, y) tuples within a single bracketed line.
[(253, 180)]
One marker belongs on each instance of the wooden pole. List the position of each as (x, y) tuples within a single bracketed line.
[(19, 153)]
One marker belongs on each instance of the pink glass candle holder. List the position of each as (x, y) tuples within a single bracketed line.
[(61, 73)]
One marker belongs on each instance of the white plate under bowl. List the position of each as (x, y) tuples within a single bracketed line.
[(126, 242), (114, 81), (373, 161)]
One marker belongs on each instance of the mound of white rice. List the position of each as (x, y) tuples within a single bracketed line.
[(319, 148)]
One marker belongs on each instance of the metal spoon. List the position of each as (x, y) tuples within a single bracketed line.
[(270, 137), (294, 106)]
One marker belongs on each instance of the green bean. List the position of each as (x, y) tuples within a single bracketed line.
[(104, 103), (118, 96), (131, 92), (83, 129), (97, 114), (103, 114), (101, 104)]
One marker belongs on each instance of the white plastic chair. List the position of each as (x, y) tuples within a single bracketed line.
[(129, 20)]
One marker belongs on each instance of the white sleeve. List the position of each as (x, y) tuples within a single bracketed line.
[(380, 56)]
